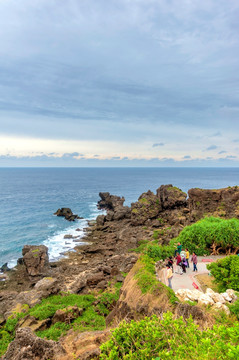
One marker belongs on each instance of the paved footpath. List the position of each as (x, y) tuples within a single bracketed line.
[(186, 280)]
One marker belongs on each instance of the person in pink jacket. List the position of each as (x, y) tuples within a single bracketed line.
[(195, 261)]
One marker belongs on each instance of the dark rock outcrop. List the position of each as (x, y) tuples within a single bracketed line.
[(171, 197), (110, 202), (67, 214), (4, 268), (220, 202), (114, 206), (150, 206), (36, 260)]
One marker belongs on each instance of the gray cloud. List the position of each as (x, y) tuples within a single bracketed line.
[(212, 147), (157, 144), (187, 157), (222, 152), (119, 70)]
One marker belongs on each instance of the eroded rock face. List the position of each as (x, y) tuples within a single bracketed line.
[(36, 260), (27, 346), (67, 214), (150, 206), (221, 202), (171, 197), (110, 202)]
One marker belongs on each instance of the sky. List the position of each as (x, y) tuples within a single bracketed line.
[(119, 83)]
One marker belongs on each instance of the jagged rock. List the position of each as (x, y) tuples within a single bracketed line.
[(48, 286), (226, 296), (186, 294), (110, 202), (95, 278), (232, 294), (205, 300), (67, 315), (27, 346), (67, 214), (7, 299), (171, 197), (84, 346), (4, 268), (122, 212), (221, 202), (102, 285), (33, 324), (100, 220), (36, 260), (218, 306), (68, 236), (78, 284), (217, 298), (147, 207), (109, 216)]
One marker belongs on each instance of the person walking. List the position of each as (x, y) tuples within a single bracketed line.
[(179, 249), (195, 261), (179, 264), (187, 257), (184, 264), (170, 262), (169, 276)]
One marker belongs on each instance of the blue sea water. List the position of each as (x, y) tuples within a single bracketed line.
[(30, 196)]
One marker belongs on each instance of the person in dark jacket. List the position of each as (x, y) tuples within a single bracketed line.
[(179, 264)]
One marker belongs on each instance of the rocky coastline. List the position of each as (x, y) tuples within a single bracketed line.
[(110, 240)]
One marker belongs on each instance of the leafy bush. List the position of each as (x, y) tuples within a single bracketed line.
[(234, 308), (221, 235), (226, 272), (154, 252), (153, 338)]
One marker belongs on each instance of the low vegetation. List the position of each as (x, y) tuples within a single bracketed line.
[(226, 273), (169, 338), (211, 235), (95, 309)]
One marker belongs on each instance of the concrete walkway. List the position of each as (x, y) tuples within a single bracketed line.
[(186, 280)]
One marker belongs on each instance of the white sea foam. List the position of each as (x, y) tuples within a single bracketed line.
[(11, 263), (57, 244)]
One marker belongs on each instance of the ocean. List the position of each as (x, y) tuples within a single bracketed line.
[(30, 196)]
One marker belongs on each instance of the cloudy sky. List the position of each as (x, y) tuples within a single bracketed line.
[(119, 83)]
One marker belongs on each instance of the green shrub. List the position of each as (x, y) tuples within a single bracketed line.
[(153, 338), (234, 308), (226, 272), (154, 252), (211, 233)]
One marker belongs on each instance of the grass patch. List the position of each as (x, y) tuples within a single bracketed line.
[(207, 281)]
